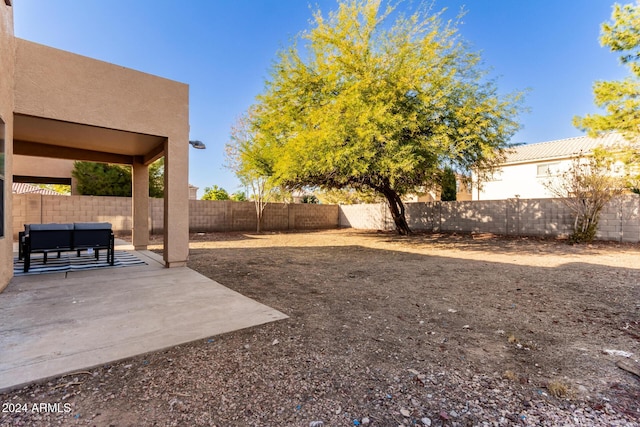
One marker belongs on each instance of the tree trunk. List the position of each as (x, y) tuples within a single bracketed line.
[(259, 214), (397, 210), (259, 223)]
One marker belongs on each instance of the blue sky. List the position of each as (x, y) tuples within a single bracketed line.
[(223, 49)]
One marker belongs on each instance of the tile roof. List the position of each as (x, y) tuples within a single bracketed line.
[(22, 188), (563, 148)]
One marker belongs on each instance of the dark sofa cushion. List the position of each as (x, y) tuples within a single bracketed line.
[(92, 226), (50, 227)]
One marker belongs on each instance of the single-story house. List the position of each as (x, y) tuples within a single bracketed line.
[(57, 104), (527, 167)]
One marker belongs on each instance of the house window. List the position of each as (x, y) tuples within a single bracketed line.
[(546, 169)]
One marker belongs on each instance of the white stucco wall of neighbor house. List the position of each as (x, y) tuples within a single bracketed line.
[(528, 167), (525, 180)]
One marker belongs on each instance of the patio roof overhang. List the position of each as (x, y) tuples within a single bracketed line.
[(43, 137)]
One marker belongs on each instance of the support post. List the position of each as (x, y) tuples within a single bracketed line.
[(140, 205), (176, 202)]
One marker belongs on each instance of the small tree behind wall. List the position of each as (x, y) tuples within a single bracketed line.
[(251, 165), (260, 194), (215, 193), (585, 188)]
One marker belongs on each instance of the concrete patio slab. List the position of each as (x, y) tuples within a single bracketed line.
[(53, 324)]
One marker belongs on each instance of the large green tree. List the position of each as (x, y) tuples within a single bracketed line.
[(619, 99), (156, 178), (215, 193), (102, 179), (373, 99)]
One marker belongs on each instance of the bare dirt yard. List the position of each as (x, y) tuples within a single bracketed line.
[(383, 330)]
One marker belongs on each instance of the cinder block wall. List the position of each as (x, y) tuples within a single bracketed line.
[(481, 217), (226, 215), (367, 217), (156, 215), (301, 217), (36, 208), (27, 209), (542, 217), (204, 215), (619, 221)]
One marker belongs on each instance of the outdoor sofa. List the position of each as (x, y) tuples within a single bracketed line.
[(45, 238)]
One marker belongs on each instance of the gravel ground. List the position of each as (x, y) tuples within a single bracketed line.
[(440, 330)]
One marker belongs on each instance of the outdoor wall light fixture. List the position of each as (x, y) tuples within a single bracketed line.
[(198, 144)]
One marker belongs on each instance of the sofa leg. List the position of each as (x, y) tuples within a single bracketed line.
[(20, 244)]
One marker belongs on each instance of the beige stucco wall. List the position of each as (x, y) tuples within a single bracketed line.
[(42, 167), (61, 85), (55, 84), (7, 48)]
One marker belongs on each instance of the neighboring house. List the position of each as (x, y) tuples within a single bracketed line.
[(527, 167), (59, 105), (463, 193), (193, 192), (22, 188), (463, 190)]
